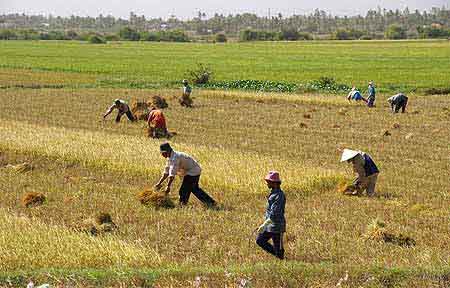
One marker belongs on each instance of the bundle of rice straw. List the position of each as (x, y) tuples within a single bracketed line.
[(32, 199), (377, 231), (100, 225), (158, 102), (140, 109), (20, 168), (348, 188), (150, 197)]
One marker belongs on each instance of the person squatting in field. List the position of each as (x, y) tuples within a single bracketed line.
[(186, 99), (275, 223), (398, 101), (184, 165), (157, 123), (365, 168), (122, 108), (371, 95), (355, 95)]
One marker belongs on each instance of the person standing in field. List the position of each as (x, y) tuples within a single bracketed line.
[(186, 99), (371, 95), (365, 168), (157, 124), (398, 101), (355, 95), (275, 223), (122, 108), (188, 168)]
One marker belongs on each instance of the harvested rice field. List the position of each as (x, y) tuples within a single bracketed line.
[(88, 226)]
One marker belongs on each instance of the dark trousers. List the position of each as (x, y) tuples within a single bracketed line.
[(190, 184), (277, 248), (371, 101), (401, 104), (128, 113)]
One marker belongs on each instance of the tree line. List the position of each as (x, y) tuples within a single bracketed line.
[(376, 24)]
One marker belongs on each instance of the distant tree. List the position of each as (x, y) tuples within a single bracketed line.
[(434, 31), (95, 39), (71, 35), (7, 35), (395, 31), (342, 34), (221, 37), (128, 33), (290, 35)]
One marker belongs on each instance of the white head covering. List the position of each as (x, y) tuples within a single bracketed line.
[(349, 154)]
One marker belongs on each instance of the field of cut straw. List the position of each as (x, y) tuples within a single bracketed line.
[(84, 169)]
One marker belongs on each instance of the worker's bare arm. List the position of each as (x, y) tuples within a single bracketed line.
[(110, 109), (169, 184), (161, 180)]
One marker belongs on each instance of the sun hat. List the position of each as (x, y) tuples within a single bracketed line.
[(165, 147), (349, 154), (185, 81), (273, 176)]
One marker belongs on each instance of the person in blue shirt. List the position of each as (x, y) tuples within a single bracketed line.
[(355, 95), (274, 223), (365, 168), (371, 95)]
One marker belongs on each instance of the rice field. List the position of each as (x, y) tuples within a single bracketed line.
[(84, 166), (393, 65)]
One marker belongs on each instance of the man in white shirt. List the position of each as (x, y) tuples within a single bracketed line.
[(185, 166)]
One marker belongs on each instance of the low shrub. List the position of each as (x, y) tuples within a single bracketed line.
[(200, 74)]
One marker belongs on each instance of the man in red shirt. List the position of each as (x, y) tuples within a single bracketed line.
[(157, 124)]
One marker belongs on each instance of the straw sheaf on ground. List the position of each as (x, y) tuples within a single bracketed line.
[(324, 228)]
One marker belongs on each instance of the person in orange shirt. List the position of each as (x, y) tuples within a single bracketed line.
[(157, 124)]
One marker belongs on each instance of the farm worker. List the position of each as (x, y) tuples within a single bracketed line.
[(123, 108), (185, 166), (371, 95), (157, 123), (274, 224), (355, 95), (366, 169), (186, 99), (398, 101)]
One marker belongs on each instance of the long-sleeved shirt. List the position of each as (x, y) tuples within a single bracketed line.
[(276, 202), (397, 98), (156, 119), (354, 95), (122, 107), (364, 166), (182, 164), (371, 91)]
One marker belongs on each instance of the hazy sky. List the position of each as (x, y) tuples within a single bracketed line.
[(188, 8)]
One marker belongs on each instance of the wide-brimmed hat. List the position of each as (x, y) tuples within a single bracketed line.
[(185, 81), (273, 176), (349, 154)]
